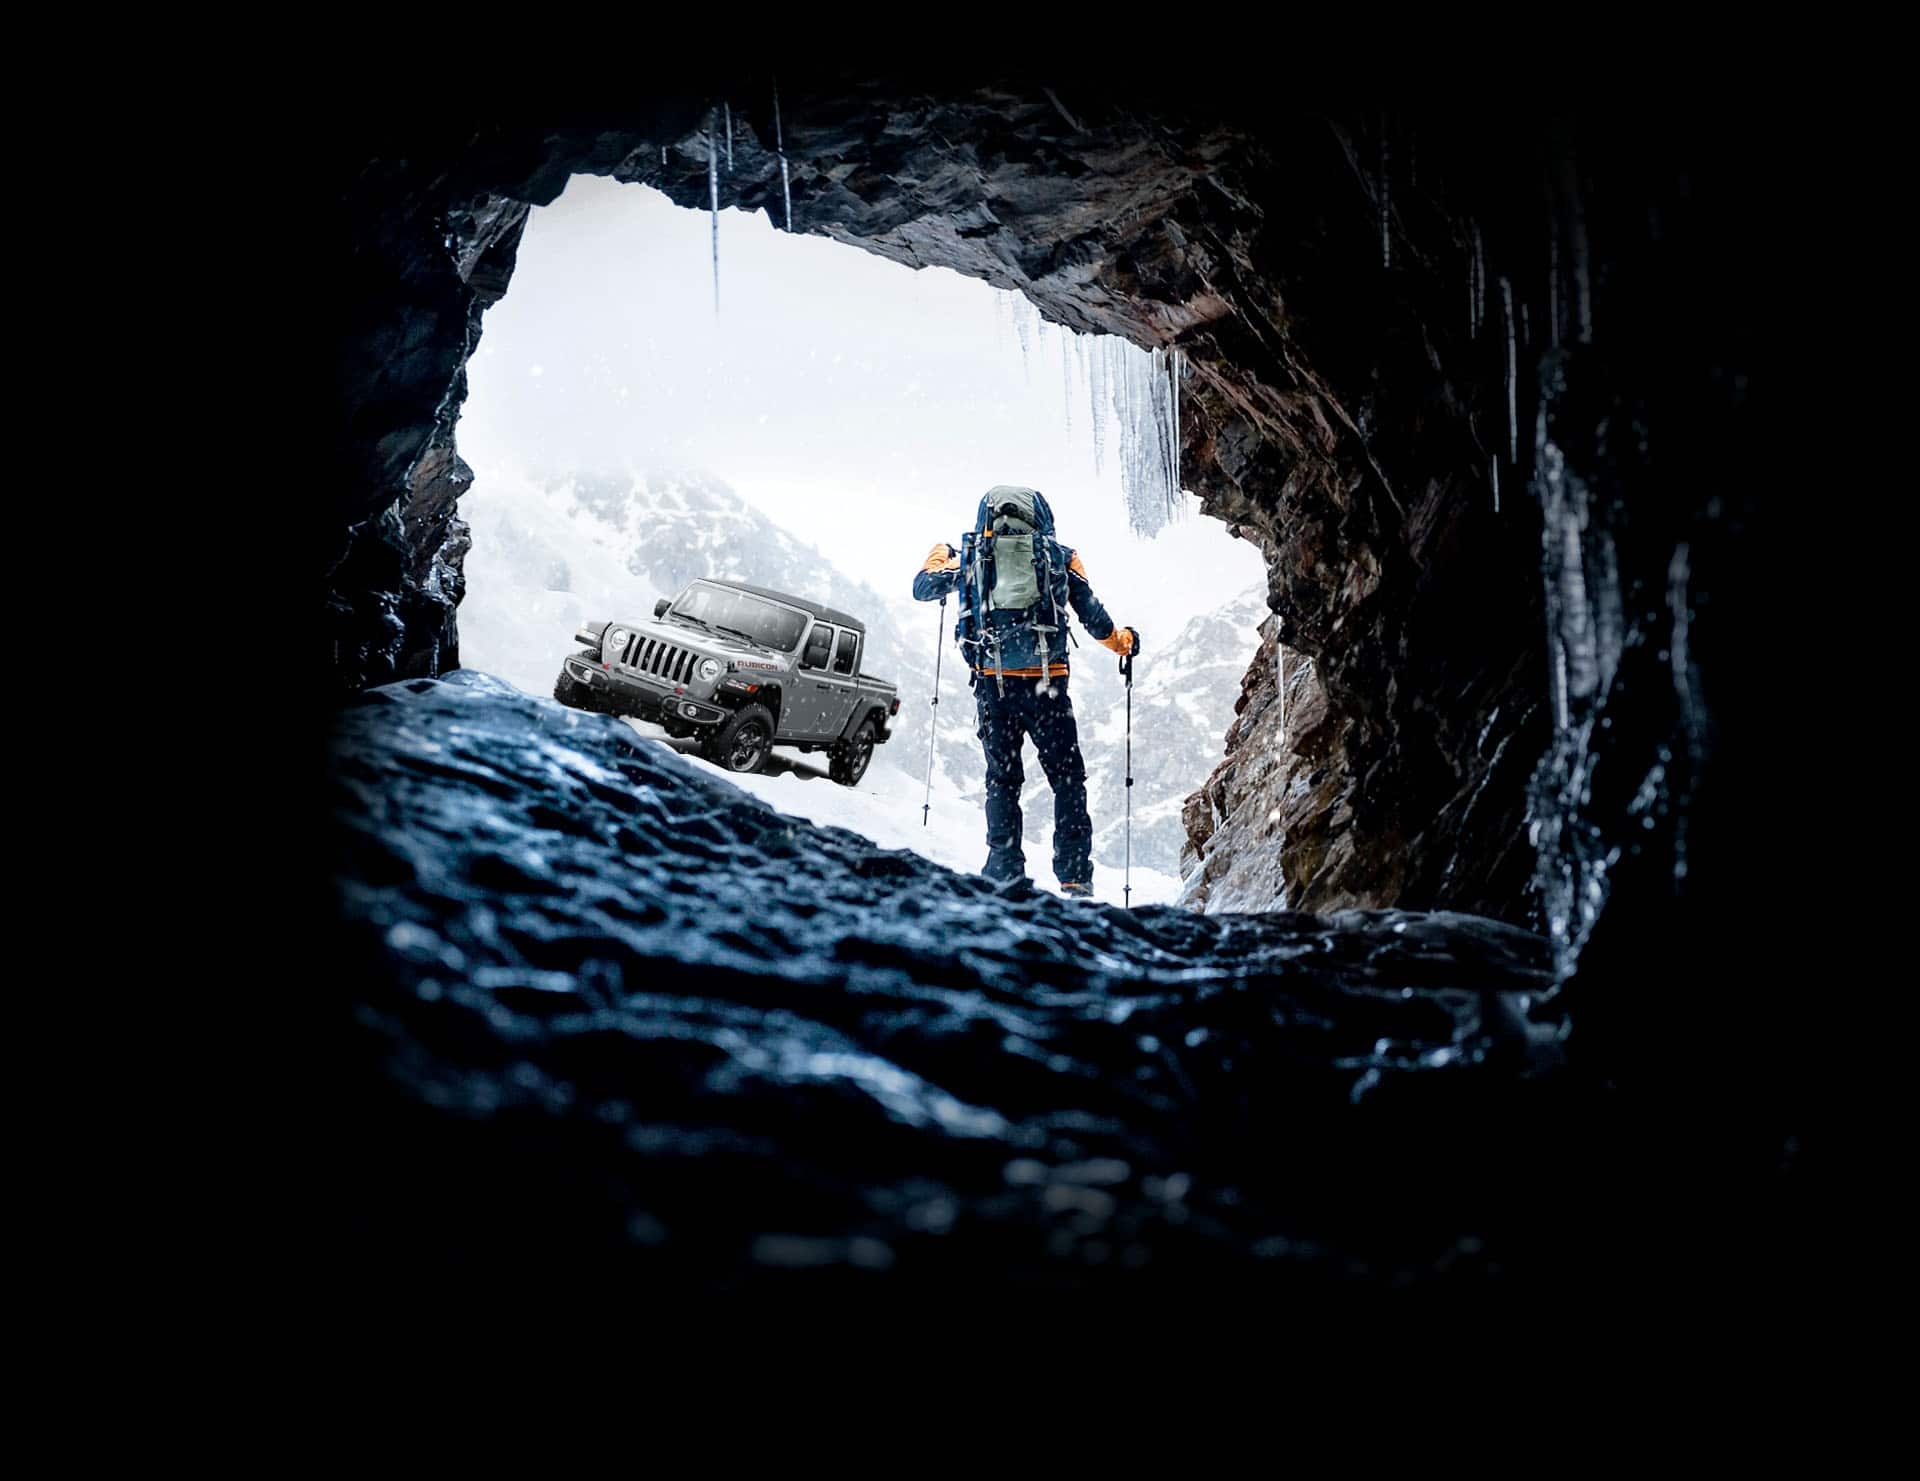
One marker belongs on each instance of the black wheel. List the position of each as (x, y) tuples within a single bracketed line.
[(849, 761), (741, 744), (570, 691)]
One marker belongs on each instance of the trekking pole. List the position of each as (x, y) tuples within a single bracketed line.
[(1126, 892), (939, 652)]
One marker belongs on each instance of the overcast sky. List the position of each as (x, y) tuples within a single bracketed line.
[(864, 405)]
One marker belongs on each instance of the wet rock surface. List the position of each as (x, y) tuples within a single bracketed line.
[(610, 1006)]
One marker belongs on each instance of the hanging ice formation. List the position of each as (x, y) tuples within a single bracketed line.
[(713, 205), (780, 144), (1382, 194), (729, 108), (1582, 276), (1140, 389), (1179, 373), (1098, 387), (1513, 372), (1473, 291), (1066, 379), (1553, 282), (1494, 463), (1479, 280), (1149, 473)]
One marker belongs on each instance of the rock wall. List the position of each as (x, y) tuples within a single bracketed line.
[(1369, 309)]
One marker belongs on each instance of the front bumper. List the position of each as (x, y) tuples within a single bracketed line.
[(642, 700)]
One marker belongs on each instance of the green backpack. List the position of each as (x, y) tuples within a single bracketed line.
[(1015, 525)]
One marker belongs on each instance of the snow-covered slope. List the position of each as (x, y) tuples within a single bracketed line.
[(551, 552)]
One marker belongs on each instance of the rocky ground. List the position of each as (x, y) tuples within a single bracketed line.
[(609, 1006)]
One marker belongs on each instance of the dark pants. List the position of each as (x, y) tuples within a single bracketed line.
[(1046, 715)]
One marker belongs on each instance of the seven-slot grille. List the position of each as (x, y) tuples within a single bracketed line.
[(663, 660)]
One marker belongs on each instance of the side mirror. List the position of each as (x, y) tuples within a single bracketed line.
[(660, 607)]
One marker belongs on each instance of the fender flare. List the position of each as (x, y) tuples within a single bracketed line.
[(874, 711), (768, 695)]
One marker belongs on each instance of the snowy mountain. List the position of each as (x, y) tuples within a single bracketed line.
[(552, 551), (606, 545)]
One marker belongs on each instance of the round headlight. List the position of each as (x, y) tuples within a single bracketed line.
[(710, 668), (617, 639)]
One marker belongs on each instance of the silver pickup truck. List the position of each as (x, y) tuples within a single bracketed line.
[(743, 669)]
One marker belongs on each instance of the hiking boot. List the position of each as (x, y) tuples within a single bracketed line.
[(1076, 891)]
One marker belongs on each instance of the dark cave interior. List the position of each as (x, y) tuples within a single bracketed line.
[(1481, 395)]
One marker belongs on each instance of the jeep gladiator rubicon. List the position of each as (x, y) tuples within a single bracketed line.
[(742, 669)]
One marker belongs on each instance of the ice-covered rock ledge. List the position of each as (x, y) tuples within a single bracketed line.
[(606, 1004)]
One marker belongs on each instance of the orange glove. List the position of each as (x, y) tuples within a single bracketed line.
[(1120, 640), (942, 557)]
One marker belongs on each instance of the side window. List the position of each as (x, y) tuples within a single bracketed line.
[(843, 655), (818, 645)]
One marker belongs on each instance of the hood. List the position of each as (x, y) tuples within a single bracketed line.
[(686, 635), (1040, 509)]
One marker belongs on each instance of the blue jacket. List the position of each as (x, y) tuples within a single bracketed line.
[(1018, 649)]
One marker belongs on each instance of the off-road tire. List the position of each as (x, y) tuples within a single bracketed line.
[(732, 747), (848, 762)]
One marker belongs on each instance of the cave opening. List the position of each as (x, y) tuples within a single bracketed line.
[(1479, 394), (812, 428)]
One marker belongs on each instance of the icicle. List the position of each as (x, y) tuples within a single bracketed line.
[(1099, 394), (1157, 390), (713, 204), (663, 156), (1145, 401), (1066, 380), (1382, 194), (1179, 364), (1473, 291), (1156, 408), (1494, 463), (1171, 408), (729, 108), (1021, 308), (1479, 280), (1581, 304), (780, 144), (1553, 280), (1513, 372)]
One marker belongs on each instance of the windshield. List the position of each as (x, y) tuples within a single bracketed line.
[(748, 616)]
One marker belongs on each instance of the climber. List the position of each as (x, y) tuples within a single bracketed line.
[(1015, 582)]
